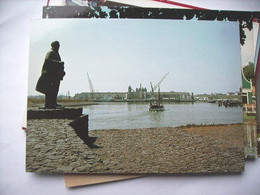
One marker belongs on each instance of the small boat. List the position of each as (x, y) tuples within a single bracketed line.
[(155, 105)]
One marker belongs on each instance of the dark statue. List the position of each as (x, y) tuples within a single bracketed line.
[(51, 75)]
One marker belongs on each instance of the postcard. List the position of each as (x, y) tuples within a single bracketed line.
[(248, 25), (249, 130), (134, 97)]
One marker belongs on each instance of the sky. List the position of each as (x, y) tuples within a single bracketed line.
[(247, 50), (200, 56)]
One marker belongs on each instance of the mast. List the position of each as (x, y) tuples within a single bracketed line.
[(159, 99)]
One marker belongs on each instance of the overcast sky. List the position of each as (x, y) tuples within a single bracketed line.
[(200, 56)]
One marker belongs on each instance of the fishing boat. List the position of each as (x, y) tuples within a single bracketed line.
[(155, 105)]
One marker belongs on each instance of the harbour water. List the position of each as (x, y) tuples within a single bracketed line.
[(137, 115)]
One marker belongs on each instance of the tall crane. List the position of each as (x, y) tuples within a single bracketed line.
[(158, 84), (91, 88)]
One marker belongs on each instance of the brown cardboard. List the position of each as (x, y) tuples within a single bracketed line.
[(76, 180)]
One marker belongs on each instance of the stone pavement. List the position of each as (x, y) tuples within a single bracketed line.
[(53, 146)]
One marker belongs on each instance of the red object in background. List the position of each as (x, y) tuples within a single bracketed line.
[(179, 4)]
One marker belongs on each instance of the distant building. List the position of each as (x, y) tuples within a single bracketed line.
[(232, 93), (101, 96), (247, 90), (248, 98), (140, 94)]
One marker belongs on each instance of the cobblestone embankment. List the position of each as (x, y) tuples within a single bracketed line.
[(53, 146)]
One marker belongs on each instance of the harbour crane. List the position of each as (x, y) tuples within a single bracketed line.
[(91, 88), (158, 84)]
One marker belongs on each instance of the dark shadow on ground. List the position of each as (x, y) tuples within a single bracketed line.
[(80, 125)]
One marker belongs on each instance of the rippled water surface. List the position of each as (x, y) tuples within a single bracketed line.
[(137, 115)]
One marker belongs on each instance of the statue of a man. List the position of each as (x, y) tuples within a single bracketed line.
[(51, 75)]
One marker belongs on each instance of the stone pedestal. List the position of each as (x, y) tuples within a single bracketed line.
[(69, 113), (79, 123)]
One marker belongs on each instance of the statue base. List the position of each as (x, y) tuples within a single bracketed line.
[(60, 113), (79, 123)]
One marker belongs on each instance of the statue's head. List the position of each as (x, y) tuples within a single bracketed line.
[(55, 45)]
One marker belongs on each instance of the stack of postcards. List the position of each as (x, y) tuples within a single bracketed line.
[(124, 89)]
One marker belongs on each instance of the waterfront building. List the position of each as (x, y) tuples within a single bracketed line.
[(248, 98), (247, 90), (140, 94)]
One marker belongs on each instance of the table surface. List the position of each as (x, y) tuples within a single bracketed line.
[(14, 53)]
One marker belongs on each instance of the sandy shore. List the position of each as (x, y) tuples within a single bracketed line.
[(53, 146)]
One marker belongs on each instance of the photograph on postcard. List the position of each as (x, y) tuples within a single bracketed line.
[(249, 42), (134, 97), (248, 92)]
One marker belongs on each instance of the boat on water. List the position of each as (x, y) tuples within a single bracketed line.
[(155, 105)]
